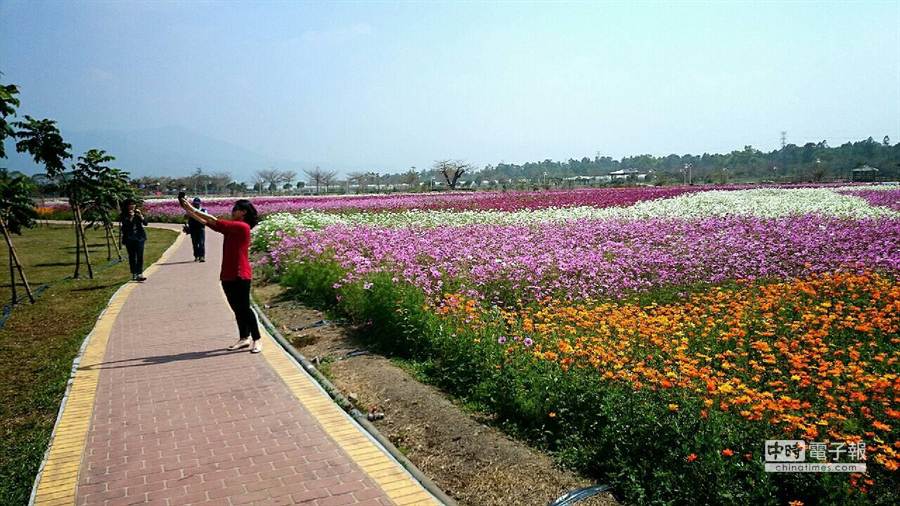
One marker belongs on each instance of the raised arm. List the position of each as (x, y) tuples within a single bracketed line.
[(204, 218)]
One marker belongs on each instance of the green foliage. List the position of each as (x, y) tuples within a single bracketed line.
[(16, 208), (314, 283), (8, 105), (809, 162), (103, 188), (42, 140)]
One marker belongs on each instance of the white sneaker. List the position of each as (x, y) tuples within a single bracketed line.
[(243, 343), (257, 347)]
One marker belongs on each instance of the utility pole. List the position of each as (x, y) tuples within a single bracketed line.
[(783, 139)]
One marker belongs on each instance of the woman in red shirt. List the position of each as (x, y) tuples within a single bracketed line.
[(236, 272)]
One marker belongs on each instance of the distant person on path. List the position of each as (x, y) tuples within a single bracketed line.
[(133, 237), (236, 272), (197, 231)]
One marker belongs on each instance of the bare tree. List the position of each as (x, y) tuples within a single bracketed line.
[(315, 176), (452, 170), (267, 178), (328, 178), (219, 181), (200, 181), (360, 179), (410, 178), (286, 178)]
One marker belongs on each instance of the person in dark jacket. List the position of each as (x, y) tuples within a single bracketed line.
[(133, 237), (198, 233)]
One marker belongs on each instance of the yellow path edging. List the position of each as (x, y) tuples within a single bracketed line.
[(58, 478), (390, 476)]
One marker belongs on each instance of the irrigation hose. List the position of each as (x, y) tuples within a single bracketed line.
[(347, 406), (579, 494)]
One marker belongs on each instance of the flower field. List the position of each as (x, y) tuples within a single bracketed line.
[(168, 209), (653, 339)]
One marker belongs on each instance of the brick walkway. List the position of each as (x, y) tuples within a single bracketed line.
[(179, 420)]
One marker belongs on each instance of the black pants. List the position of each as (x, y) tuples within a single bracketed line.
[(135, 255), (238, 294), (198, 239)]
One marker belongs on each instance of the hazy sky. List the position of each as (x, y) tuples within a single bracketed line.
[(386, 85)]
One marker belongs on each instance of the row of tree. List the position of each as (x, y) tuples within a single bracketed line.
[(810, 162), (199, 183), (221, 182), (95, 190)]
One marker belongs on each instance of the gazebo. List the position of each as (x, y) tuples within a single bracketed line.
[(864, 173)]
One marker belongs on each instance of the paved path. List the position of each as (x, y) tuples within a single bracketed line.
[(160, 413)]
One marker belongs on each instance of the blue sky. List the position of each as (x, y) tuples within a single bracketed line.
[(386, 85)]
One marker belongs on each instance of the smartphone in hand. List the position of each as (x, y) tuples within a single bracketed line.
[(181, 195)]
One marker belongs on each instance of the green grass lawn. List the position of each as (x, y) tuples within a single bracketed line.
[(39, 341)]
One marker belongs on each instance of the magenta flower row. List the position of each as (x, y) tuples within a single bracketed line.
[(503, 201), (883, 198), (592, 259)]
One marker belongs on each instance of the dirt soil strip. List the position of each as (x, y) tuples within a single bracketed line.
[(475, 464)]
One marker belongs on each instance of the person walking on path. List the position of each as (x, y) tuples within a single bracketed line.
[(236, 272), (133, 237), (197, 230)]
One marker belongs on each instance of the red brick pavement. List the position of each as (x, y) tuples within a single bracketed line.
[(178, 420)]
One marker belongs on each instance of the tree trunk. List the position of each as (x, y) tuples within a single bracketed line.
[(117, 246), (77, 245), (14, 261), (12, 278), (79, 226), (84, 243), (108, 242), (118, 242)]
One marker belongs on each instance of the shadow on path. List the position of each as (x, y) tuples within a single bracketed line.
[(160, 359)]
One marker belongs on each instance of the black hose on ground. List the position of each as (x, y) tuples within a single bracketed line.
[(347, 406)]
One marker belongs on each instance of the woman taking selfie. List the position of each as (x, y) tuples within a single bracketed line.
[(236, 272), (133, 237)]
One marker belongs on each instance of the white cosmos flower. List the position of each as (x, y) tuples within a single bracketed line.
[(762, 203)]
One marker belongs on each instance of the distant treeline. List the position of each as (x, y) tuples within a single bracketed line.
[(810, 162)]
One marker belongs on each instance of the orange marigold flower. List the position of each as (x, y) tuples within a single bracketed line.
[(692, 457), (728, 452)]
